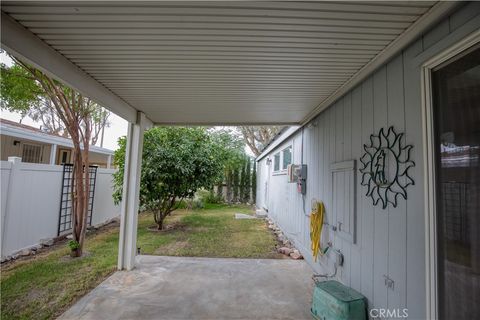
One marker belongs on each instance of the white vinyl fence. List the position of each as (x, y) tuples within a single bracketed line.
[(30, 202)]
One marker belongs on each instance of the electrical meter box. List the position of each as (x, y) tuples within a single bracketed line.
[(334, 301), (296, 172)]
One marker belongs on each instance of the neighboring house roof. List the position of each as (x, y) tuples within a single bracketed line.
[(19, 130)]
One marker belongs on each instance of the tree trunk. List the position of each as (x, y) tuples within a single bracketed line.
[(160, 224), (76, 253), (81, 197)]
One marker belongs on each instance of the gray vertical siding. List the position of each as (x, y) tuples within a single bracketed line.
[(389, 242)]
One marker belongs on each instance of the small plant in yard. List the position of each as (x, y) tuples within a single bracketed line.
[(73, 245)]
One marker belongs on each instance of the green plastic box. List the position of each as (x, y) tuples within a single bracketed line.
[(334, 301)]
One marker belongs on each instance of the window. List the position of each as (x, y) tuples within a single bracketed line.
[(282, 159), (276, 162), (287, 157), (32, 153)]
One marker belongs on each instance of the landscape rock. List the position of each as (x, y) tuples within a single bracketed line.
[(285, 250), (46, 242), (70, 236), (260, 213), (25, 252), (296, 255)]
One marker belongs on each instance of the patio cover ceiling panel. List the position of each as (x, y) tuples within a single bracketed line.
[(219, 62)]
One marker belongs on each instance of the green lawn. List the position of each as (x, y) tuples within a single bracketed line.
[(44, 286)]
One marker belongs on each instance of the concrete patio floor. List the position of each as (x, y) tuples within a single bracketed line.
[(201, 288)]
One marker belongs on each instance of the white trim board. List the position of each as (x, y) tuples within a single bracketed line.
[(11, 131), (429, 163), (278, 141)]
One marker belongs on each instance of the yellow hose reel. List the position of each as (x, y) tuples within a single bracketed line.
[(316, 225)]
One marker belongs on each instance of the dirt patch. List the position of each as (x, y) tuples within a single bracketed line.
[(172, 248), (168, 228), (69, 258), (198, 229)]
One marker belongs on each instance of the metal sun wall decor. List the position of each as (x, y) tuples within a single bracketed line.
[(385, 167)]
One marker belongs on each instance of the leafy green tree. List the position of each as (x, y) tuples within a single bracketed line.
[(25, 89), (235, 183), (229, 184), (243, 174), (177, 161), (248, 175), (231, 149), (23, 92)]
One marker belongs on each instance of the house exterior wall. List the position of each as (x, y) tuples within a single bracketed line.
[(8, 149), (389, 242), (98, 159)]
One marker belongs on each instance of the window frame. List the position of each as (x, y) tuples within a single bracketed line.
[(38, 152), (431, 266), (279, 161), (280, 153), (283, 157)]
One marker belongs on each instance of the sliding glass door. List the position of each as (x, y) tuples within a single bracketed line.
[(456, 111)]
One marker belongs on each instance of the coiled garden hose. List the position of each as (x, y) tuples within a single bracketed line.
[(316, 225)]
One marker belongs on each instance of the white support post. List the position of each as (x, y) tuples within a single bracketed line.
[(53, 154), (131, 190), (109, 161)]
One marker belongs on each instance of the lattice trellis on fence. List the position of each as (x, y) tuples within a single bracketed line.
[(65, 216)]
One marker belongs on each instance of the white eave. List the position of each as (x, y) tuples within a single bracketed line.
[(23, 133), (278, 140), (213, 63)]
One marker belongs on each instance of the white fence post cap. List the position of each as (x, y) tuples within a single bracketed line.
[(15, 159)]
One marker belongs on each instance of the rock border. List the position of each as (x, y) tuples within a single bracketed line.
[(44, 244), (286, 248)]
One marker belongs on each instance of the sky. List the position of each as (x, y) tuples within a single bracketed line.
[(118, 126)]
